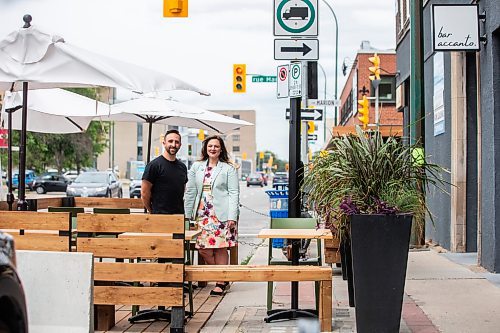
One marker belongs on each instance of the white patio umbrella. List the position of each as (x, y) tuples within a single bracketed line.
[(52, 111), (156, 110), (40, 60)]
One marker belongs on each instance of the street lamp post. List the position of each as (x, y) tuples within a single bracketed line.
[(324, 119), (336, 57)]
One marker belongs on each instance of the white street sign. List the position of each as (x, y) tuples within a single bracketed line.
[(295, 17), (307, 114), (296, 49), (295, 80), (282, 81), (324, 102)]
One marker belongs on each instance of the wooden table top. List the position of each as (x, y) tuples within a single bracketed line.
[(189, 234), (296, 233)]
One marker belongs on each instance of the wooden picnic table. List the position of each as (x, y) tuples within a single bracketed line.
[(296, 233), (189, 234)]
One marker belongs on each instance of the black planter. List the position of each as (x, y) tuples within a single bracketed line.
[(347, 273), (379, 245)]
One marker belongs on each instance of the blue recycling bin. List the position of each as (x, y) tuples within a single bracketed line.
[(278, 207)]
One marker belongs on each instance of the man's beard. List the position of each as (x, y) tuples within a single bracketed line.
[(172, 151)]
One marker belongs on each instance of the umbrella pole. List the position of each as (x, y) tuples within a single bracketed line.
[(22, 204), (10, 195), (149, 141)]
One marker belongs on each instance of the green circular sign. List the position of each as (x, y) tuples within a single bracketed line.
[(299, 30), (295, 71)]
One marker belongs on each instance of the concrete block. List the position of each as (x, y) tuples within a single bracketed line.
[(58, 288)]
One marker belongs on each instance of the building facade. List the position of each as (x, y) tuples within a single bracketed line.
[(460, 131), (359, 84)]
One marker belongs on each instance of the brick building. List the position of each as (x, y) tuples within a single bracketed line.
[(358, 83)]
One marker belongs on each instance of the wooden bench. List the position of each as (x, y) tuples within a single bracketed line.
[(109, 202), (258, 273), (38, 231), (169, 268)]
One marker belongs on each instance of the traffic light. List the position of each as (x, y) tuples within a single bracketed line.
[(365, 111), (201, 135), (375, 69), (175, 8), (239, 78), (190, 149), (310, 127)]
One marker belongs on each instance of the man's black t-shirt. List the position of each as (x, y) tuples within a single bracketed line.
[(168, 179)]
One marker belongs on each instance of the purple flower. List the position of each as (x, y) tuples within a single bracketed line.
[(348, 206)]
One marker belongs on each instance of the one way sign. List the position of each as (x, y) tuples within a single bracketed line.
[(308, 114), (296, 49)]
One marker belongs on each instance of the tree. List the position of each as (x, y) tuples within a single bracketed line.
[(63, 151)]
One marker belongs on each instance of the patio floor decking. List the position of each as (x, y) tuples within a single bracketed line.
[(204, 306)]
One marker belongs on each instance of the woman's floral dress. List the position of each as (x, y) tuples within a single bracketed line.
[(214, 233)]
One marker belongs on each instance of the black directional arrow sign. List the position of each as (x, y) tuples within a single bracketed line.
[(304, 49), (296, 49), (308, 114)]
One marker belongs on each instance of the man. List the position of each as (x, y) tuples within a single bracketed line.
[(164, 179)]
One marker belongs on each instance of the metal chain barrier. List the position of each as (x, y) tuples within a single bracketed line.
[(254, 211)]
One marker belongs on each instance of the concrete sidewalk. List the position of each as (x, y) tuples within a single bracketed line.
[(445, 292)]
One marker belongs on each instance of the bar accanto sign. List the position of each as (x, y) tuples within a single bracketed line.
[(455, 27)]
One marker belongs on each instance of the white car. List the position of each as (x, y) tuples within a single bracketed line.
[(71, 174)]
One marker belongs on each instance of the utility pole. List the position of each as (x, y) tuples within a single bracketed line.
[(416, 71)]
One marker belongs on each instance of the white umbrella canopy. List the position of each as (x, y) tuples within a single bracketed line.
[(32, 59), (48, 61), (156, 110), (52, 111)]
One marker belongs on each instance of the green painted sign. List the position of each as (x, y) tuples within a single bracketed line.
[(262, 78)]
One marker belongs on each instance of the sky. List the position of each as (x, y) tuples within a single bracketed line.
[(202, 48)]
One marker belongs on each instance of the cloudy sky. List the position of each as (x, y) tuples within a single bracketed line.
[(202, 48)]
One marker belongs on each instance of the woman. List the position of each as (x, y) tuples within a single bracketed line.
[(213, 197)]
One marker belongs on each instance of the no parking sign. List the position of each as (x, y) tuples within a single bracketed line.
[(282, 82)]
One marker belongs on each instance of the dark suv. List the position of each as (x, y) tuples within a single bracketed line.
[(13, 315)]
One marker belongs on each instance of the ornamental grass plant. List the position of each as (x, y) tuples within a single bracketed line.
[(364, 173)]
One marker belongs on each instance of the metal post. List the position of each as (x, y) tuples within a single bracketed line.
[(336, 58), (293, 188), (416, 68), (377, 113), (22, 204), (324, 115), (10, 195), (149, 141), (294, 158)]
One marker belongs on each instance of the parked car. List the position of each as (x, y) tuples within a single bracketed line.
[(280, 178), (95, 184), (28, 179), (13, 314), (135, 188), (71, 174), (255, 179), (50, 183)]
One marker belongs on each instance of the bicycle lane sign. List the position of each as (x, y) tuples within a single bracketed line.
[(296, 17), (282, 81)]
